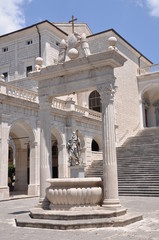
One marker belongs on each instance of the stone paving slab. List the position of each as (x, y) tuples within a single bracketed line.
[(147, 229)]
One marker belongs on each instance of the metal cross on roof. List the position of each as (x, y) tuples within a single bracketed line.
[(72, 21)]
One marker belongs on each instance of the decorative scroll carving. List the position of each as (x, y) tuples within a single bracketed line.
[(107, 91)]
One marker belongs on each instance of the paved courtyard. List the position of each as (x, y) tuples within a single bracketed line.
[(147, 229)]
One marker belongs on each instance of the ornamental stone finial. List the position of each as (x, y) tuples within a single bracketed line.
[(112, 43), (72, 46), (39, 63), (85, 45), (62, 52), (2, 78)]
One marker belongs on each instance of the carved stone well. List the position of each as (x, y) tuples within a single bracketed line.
[(74, 193)]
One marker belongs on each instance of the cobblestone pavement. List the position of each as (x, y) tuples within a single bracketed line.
[(147, 229)]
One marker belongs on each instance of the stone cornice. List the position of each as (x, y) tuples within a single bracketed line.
[(78, 75), (109, 58), (148, 76)]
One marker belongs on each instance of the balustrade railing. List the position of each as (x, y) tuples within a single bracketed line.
[(88, 112), (21, 93), (17, 92), (28, 95), (58, 103), (61, 104), (151, 69)]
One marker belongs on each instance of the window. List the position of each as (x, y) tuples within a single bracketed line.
[(29, 42), (5, 74), (95, 146), (28, 69), (5, 49), (95, 102)]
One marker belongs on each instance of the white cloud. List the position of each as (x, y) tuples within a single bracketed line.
[(154, 7), (139, 3), (11, 15)]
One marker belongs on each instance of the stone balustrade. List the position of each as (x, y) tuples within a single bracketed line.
[(14, 91), (21, 93), (152, 69), (72, 193), (88, 112), (58, 103), (61, 104)]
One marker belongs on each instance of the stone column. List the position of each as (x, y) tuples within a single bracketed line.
[(110, 178), (45, 146), (4, 136), (62, 161), (21, 183), (33, 188)]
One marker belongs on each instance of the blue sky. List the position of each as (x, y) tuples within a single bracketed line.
[(135, 20)]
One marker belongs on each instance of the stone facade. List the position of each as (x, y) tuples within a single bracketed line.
[(20, 111)]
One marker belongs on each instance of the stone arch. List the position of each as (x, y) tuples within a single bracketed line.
[(57, 144), (57, 134), (23, 136), (95, 101), (97, 153), (98, 140), (24, 125), (147, 88), (94, 146), (149, 95)]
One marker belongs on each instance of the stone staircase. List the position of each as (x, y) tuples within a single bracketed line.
[(138, 165)]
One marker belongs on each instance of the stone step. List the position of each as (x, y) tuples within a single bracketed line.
[(142, 188), (148, 131), (141, 140), (128, 193), (138, 164), (119, 221)]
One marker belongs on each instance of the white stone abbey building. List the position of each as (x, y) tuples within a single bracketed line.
[(136, 103)]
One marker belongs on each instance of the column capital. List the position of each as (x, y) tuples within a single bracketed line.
[(106, 91)]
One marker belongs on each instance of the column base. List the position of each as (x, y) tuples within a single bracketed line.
[(34, 189), (43, 203), (111, 203), (4, 193)]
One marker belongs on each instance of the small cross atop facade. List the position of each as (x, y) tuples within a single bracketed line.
[(72, 21)]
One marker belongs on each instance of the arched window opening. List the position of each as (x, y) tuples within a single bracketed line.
[(95, 101), (95, 146), (55, 160)]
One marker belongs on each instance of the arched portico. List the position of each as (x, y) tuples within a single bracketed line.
[(59, 164), (26, 166), (96, 147), (149, 105)]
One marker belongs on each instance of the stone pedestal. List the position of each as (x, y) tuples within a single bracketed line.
[(77, 171)]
